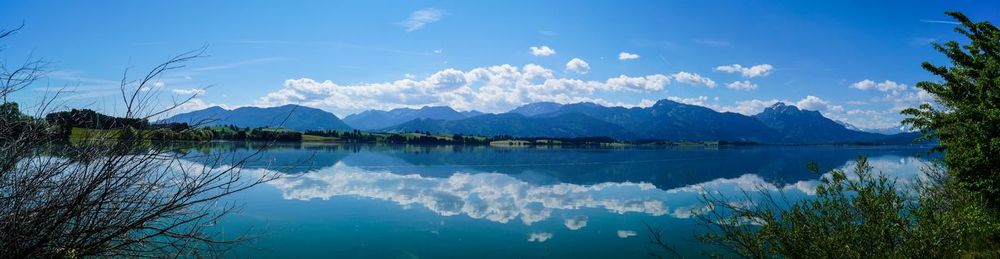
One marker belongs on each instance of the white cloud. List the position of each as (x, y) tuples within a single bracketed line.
[(489, 89), (576, 223), (884, 86), (191, 105), (748, 72), (749, 107), (438, 51), (539, 237), (647, 83), (192, 91), (626, 56), (578, 65), (742, 85), (626, 233), (542, 51), (700, 100), (816, 104), (420, 18), (693, 79), (645, 103)]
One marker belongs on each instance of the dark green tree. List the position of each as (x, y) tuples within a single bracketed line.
[(966, 118)]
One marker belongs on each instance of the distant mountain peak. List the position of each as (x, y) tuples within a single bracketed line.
[(215, 108), (439, 107), (534, 109), (781, 107), (666, 102)]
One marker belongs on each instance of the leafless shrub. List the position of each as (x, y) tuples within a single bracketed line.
[(119, 196)]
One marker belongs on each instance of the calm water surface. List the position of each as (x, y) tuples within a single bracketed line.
[(349, 201)]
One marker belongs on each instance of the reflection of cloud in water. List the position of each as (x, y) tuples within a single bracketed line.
[(502, 198), (577, 222), (626, 233), (539, 237), (495, 197)]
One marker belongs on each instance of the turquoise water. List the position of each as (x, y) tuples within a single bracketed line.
[(489, 202)]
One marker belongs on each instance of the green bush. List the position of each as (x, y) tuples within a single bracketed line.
[(857, 214)]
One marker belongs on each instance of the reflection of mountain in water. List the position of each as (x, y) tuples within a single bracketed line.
[(531, 185), (665, 168)]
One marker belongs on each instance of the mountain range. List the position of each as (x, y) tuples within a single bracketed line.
[(665, 120), (375, 119), (288, 116)]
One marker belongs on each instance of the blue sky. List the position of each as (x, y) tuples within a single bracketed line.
[(345, 57)]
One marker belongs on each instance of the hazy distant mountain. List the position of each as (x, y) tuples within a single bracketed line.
[(513, 124), (885, 131), (533, 109), (848, 125), (374, 119), (288, 116)]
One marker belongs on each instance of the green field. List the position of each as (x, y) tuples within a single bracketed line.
[(314, 138)]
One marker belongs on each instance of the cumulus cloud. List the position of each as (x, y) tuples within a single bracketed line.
[(576, 223), (642, 83), (817, 104), (578, 65), (539, 237), (748, 72), (542, 51), (693, 79), (420, 18), (742, 85), (627, 56), (749, 107), (489, 89), (884, 86), (191, 105), (700, 100), (626, 233), (900, 96)]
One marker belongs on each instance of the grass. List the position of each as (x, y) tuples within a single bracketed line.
[(87, 134), (315, 138)]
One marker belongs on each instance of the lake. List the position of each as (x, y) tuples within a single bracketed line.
[(380, 201)]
